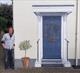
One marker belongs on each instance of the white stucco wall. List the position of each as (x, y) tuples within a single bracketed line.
[(26, 26), (78, 33)]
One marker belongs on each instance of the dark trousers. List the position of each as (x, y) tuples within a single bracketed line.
[(9, 58)]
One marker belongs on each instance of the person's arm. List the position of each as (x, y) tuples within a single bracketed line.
[(13, 41), (3, 41), (3, 45)]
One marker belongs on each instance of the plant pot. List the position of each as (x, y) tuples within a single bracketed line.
[(25, 62)]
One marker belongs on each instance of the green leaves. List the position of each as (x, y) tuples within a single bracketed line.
[(3, 23), (6, 16), (24, 45)]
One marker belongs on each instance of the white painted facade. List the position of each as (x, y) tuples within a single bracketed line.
[(28, 26)]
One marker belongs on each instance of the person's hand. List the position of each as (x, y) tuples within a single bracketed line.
[(13, 45), (3, 45)]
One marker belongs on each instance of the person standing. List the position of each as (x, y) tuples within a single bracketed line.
[(8, 43)]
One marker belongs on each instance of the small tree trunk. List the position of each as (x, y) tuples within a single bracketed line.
[(25, 53)]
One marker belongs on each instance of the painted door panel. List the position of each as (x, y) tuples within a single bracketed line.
[(51, 37)]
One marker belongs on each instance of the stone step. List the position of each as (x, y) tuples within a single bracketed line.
[(51, 61), (52, 65)]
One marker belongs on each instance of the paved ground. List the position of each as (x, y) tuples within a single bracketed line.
[(42, 70)]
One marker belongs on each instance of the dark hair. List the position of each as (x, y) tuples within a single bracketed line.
[(10, 27), (9, 24)]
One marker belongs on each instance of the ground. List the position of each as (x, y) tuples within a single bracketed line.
[(42, 70)]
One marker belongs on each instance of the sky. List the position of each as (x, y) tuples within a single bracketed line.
[(5, 1)]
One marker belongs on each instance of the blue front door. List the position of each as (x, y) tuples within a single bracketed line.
[(51, 37)]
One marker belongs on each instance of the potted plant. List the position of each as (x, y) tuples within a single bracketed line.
[(25, 45)]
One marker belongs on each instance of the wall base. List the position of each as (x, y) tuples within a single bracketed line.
[(18, 63), (37, 64), (34, 63), (67, 64)]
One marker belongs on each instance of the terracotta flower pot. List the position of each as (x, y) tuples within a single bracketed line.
[(25, 62)]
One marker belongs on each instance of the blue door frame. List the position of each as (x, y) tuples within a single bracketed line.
[(51, 37)]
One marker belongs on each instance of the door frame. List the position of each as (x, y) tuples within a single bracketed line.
[(53, 10), (63, 37)]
